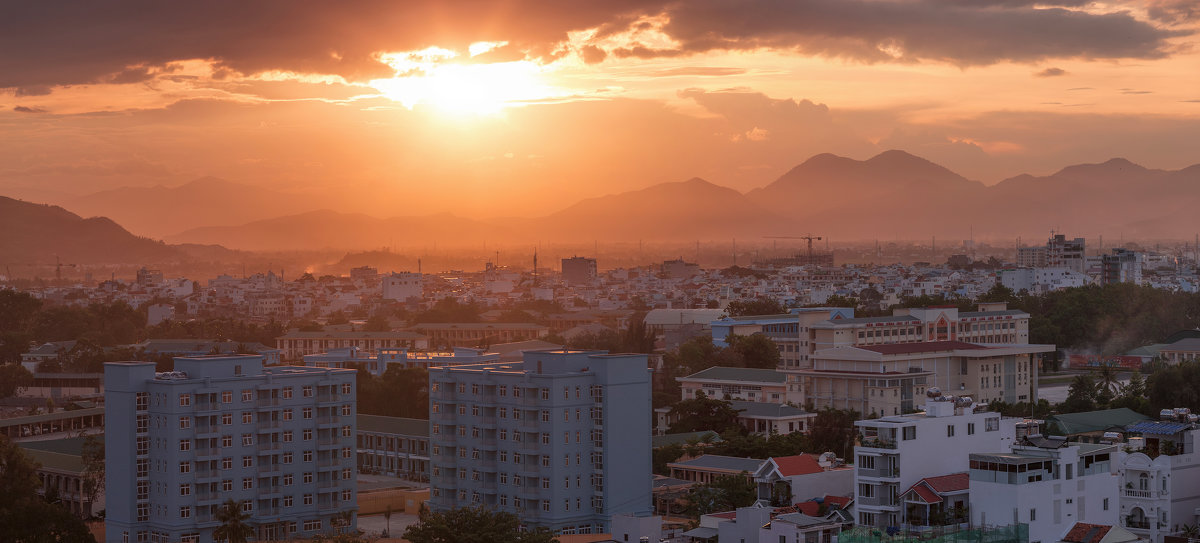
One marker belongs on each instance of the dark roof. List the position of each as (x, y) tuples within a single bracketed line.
[(922, 347), (721, 373), (1185, 344), (800, 519), (1095, 421), (725, 463), (976, 314), (949, 483), (393, 425), (45, 417), (1181, 335), (1158, 427), (762, 409), (70, 446), (867, 320), (685, 438)]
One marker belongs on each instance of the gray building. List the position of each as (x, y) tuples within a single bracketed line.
[(578, 269), (562, 439), (179, 444)]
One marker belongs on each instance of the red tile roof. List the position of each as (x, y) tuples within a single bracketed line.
[(1082, 532), (922, 347), (800, 464), (811, 509), (840, 501), (926, 495), (954, 482)]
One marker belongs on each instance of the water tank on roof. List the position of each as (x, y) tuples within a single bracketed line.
[(1167, 414), (933, 392)]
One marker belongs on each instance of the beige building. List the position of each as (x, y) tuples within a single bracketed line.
[(891, 379), (476, 334), (749, 384), (295, 344)]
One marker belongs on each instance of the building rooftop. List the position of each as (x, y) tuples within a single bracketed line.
[(800, 464), (756, 375), (921, 347), (1082, 532), (731, 464), (977, 314), (706, 436), (1158, 427), (766, 410), (1185, 344), (1095, 421), (800, 519)]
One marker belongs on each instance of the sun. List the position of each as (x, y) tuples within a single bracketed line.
[(433, 78)]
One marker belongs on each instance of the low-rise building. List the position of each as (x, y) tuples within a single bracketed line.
[(474, 334), (394, 446), (709, 467), (1045, 483), (1158, 488), (747, 384), (295, 344), (803, 477)]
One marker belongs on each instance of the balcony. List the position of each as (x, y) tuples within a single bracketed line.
[(269, 445), (268, 425), (878, 444), (210, 452), (267, 402), (1137, 524), (1131, 493)]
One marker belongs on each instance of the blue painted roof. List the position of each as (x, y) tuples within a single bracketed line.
[(1158, 427)]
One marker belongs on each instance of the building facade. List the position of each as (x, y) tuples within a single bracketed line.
[(280, 441), (896, 452), (295, 344), (394, 446), (402, 286), (561, 439), (578, 270)]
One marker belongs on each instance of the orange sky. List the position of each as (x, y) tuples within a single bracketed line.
[(508, 108)]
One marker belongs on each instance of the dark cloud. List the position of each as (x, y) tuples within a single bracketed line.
[(24, 109), (592, 54), (1134, 91), (1050, 72), (80, 42), (1174, 11), (962, 33)]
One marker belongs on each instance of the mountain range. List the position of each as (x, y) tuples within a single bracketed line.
[(893, 195)]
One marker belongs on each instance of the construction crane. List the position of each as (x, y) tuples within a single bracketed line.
[(809, 237), (58, 265)]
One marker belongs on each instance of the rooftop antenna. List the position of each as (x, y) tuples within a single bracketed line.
[(535, 267), (697, 252), (418, 266), (735, 251)]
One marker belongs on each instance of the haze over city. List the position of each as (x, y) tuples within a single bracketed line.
[(661, 271)]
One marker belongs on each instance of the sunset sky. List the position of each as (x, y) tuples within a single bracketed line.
[(506, 108)]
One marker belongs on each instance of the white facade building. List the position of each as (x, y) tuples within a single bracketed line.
[(899, 451), (402, 286)]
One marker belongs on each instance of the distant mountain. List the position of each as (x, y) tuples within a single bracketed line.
[(329, 229), (207, 201), (37, 234), (692, 209)]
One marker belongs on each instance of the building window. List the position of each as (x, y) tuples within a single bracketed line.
[(346, 410), (910, 433), (226, 441), (247, 417), (310, 525), (185, 445), (308, 456), (970, 428), (307, 413), (226, 396), (308, 391), (288, 479), (185, 467), (991, 424), (308, 434), (1032, 515), (185, 423), (247, 506), (949, 430), (247, 440), (247, 395), (287, 436), (287, 501), (247, 483), (185, 490), (227, 419), (308, 477), (185, 400), (247, 461), (345, 388), (226, 463), (287, 458), (185, 512), (227, 485), (546, 396), (287, 393)]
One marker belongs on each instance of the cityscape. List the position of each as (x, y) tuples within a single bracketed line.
[(854, 271)]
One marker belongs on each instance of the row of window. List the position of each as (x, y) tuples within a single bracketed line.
[(185, 399), (503, 456), (502, 390), (288, 501)]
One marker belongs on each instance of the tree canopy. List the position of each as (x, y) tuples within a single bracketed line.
[(26, 517), (757, 306), (725, 493), (703, 413), (474, 524)]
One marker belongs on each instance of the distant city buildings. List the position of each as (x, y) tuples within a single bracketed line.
[(578, 270), (278, 441), (403, 286)]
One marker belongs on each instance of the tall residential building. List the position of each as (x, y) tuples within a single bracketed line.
[(1059, 252), (1159, 482), (562, 438), (899, 451), (578, 270), (179, 444), (1122, 266)]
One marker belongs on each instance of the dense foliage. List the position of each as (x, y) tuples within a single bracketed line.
[(26, 517), (474, 524), (725, 493), (399, 392)]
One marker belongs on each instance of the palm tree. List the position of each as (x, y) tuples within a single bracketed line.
[(234, 527), (1107, 378), (387, 517)]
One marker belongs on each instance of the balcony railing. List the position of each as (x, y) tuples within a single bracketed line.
[(1131, 493)]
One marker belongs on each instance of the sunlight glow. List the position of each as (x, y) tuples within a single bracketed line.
[(435, 78)]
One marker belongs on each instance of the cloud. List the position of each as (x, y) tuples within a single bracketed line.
[(697, 71), (81, 42), (1050, 72), (24, 109), (960, 33)]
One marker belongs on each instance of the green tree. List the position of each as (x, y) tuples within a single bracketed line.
[(473, 524), (92, 456), (1081, 396), (24, 516), (757, 306), (755, 350), (665, 455), (833, 431), (703, 413), (725, 493), (235, 526), (13, 378), (377, 323)]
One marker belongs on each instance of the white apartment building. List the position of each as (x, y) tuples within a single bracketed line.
[(1040, 280), (898, 451), (1160, 495), (402, 286), (1047, 484)]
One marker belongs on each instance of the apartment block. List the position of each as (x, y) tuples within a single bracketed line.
[(578, 270), (1159, 482), (403, 286), (1047, 484), (562, 438), (896, 452), (178, 444)]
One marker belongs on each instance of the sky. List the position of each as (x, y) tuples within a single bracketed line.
[(521, 107)]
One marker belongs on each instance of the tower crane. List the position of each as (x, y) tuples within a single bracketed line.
[(810, 238)]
